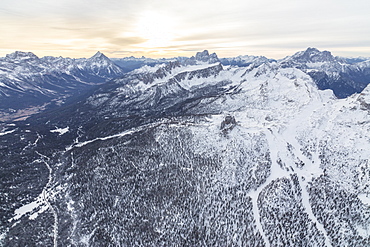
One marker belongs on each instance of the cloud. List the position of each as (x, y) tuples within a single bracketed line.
[(125, 41), (233, 27)]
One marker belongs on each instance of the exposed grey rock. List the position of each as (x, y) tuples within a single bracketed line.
[(228, 123)]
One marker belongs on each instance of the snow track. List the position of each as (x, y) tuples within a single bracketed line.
[(45, 196), (311, 168), (78, 144), (277, 145), (41, 203), (254, 196), (307, 206)]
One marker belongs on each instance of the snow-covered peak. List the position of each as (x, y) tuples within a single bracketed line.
[(140, 59), (311, 55), (33, 80), (313, 60), (52, 59), (99, 59), (21, 56), (199, 65), (99, 55), (147, 69), (98, 64), (174, 71)]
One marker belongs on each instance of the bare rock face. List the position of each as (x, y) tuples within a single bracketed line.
[(228, 123), (203, 57)]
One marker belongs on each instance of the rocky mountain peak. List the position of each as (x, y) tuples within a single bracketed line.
[(345, 77), (203, 57), (312, 58), (313, 55), (312, 50), (20, 55), (99, 56)]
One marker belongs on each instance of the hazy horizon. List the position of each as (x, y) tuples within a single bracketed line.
[(163, 28), (168, 57)]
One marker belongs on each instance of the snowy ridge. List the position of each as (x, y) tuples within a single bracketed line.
[(245, 60), (128, 132), (35, 81), (343, 76)]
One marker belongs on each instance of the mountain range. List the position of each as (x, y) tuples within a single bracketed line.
[(29, 84), (343, 76), (196, 151)]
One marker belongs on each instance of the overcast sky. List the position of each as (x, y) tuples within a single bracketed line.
[(167, 28)]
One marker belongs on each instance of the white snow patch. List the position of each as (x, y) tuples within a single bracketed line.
[(36, 207), (7, 132), (40, 211), (363, 231), (365, 198), (148, 69), (61, 131), (2, 237), (86, 238)]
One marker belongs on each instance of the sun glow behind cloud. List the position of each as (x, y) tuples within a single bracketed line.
[(164, 28), (157, 29)]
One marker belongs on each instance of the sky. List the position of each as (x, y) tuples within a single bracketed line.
[(169, 28)]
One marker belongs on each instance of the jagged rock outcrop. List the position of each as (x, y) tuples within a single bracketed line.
[(204, 57), (228, 124)]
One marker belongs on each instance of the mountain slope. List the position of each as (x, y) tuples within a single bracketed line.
[(27, 81), (131, 63), (193, 154), (243, 61), (341, 75)]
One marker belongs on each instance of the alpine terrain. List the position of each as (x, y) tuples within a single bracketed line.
[(203, 151), (29, 84)]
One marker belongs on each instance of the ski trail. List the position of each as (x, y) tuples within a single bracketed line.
[(306, 204), (309, 170), (45, 197), (254, 196), (276, 172), (274, 143), (305, 174)]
